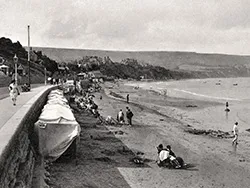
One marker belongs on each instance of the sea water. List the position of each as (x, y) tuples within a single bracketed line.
[(235, 91)]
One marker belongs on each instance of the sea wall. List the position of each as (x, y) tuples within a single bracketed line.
[(18, 144)]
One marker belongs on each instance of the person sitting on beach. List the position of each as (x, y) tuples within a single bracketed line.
[(120, 116), (164, 158), (163, 155), (97, 115), (88, 106), (94, 108), (110, 120), (170, 151)]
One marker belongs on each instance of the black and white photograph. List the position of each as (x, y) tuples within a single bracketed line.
[(125, 94)]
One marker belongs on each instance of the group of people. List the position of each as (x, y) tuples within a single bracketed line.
[(87, 102), (166, 157), (129, 114), (121, 117)]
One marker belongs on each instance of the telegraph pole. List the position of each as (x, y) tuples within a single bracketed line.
[(29, 55), (15, 61)]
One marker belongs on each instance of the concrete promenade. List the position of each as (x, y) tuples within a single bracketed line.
[(17, 159), (7, 110)]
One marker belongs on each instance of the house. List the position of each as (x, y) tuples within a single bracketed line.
[(96, 76), (82, 76), (62, 68), (21, 70), (5, 69)]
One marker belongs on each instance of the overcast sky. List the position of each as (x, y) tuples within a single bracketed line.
[(220, 26)]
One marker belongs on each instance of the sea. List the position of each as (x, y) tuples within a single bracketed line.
[(235, 91)]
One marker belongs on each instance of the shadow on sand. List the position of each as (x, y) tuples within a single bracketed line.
[(187, 167)]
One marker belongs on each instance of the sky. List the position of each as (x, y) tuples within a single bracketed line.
[(204, 26)]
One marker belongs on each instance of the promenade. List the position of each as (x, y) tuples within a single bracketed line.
[(7, 110), (15, 143)]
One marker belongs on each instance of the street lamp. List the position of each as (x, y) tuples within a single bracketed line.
[(29, 56), (15, 58), (45, 76)]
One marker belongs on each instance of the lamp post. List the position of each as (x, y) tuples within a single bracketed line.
[(15, 58), (45, 76)]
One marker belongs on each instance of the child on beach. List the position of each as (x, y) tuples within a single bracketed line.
[(235, 132)]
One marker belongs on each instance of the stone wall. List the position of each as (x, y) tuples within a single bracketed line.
[(19, 156)]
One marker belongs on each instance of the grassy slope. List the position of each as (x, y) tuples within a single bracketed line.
[(207, 65)]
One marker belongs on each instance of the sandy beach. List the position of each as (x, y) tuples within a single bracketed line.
[(163, 118)]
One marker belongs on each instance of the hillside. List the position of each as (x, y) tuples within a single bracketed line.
[(200, 65), (7, 51)]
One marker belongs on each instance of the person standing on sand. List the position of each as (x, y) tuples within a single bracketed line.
[(235, 132), (129, 115), (13, 91), (227, 109), (127, 98), (120, 116)]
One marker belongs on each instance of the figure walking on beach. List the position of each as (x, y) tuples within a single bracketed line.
[(127, 98), (227, 109), (235, 132), (13, 91), (129, 115)]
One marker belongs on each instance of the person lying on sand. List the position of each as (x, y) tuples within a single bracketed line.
[(164, 158)]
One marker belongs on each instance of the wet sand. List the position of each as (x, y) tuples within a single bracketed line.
[(157, 119)]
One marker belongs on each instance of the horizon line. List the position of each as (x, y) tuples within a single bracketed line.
[(87, 49)]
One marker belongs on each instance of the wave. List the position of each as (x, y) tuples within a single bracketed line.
[(207, 96)]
